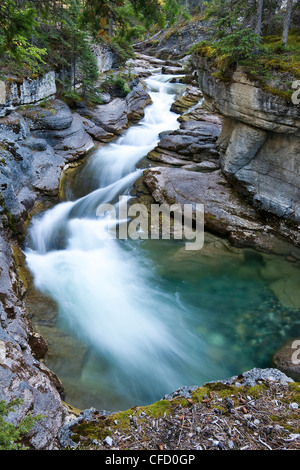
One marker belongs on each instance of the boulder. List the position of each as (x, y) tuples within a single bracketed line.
[(136, 102), (191, 97), (193, 142), (225, 212), (115, 116), (287, 359)]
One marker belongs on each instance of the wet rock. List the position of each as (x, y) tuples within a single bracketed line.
[(226, 214), (189, 98), (192, 142), (172, 70), (21, 375), (136, 102), (96, 132), (115, 116), (287, 359)]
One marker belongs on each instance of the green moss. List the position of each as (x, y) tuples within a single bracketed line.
[(274, 66), (257, 391), (294, 388), (9, 217), (158, 409)]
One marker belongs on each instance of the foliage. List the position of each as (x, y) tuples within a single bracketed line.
[(36, 34), (236, 47), (17, 30), (232, 41), (172, 10), (11, 435)]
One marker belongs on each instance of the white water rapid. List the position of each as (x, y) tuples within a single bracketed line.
[(141, 339)]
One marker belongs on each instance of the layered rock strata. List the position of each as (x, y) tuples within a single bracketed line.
[(260, 141)]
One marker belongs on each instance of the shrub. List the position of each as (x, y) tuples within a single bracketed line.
[(11, 435)]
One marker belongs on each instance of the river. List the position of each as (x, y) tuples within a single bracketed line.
[(142, 318)]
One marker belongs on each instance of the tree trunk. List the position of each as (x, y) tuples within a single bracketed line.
[(260, 7), (287, 22)]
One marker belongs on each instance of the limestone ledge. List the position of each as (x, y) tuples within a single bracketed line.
[(260, 140), (17, 92)]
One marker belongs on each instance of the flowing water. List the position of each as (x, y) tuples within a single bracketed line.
[(140, 318)]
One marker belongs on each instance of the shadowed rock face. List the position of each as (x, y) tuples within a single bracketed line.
[(259, 143), (36, 144), (115, 116), (15, 92), (22, 375), (176, 45)]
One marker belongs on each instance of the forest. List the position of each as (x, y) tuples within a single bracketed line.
[(36, 36)]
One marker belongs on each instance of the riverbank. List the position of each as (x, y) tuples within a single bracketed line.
[(19, 337), (39, 141)]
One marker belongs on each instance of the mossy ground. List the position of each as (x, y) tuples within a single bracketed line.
[(216, 416), (274, 66)]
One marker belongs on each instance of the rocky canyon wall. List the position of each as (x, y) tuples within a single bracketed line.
[(260, 140)]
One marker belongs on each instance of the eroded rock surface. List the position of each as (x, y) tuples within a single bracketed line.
[(260, 141)]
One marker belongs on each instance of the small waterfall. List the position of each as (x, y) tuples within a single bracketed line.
[(152, 317), (106, 291)]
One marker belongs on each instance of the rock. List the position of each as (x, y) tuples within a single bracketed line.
[(255, 376), (199, 112), (189, 98), (136, 102), (226, 213), (193, 142), (257, 126), (112, 116), (21, 375), (287, 359), (172, 70), (16, 92), (205, 166), (287, 291), (108, 440), (104, 57), (115, 116), (174, 43), (57, 116), (73, 141), (96, 132), (38, 345)]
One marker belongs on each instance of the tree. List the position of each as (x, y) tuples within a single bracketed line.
[(11, 435), (172, 11), (287, 22), (260, 6)]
